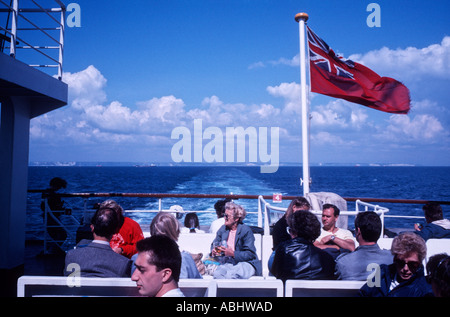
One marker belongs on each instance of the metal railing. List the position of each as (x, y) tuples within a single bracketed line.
[(87, 212), (43, 43), (57, 223), (273, 213), (267, 214)]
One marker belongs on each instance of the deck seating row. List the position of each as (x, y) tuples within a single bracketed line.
[(262, 286), (201, 243), (58, 286)]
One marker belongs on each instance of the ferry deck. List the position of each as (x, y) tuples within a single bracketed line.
[(43, 270)]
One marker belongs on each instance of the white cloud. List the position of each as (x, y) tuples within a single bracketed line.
[(359, 118), (291, 93), (257, 65), (294, 61), (341, 115), (85, 87), (329, 115), (410, 63), (423, 128), (90, 120), (166, 109), (267, 111), (326, 138)]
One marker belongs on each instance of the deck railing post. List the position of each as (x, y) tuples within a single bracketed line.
[(61, 42), (15, 10), (44, 200)]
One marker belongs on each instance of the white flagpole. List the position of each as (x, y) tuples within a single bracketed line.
[(301, 18)]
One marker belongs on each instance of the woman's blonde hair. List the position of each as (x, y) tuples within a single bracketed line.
[(165, 224), (409, 242)]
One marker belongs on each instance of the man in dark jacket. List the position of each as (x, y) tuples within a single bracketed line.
[(436, 226), (97, 259), (298, 258), (405, 277)]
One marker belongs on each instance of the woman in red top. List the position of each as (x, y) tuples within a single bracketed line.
[(124, 241)]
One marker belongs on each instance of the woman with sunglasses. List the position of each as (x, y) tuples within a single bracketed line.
[(405, 277)]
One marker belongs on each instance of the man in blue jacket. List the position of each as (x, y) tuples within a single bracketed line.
[(436, 226), (405, 277), (353, 265)]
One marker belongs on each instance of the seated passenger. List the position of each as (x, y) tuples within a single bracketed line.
[(124, 241), (97, 259), (166, 224), (191, 224), (405, 277), (333, 239), (158, 267), (238, 258), (298, 258), (353, 265), (438, 268), (436, 226), (279, 233), (219, 206)]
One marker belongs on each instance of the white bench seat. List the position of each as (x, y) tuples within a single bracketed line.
[(57, 286)]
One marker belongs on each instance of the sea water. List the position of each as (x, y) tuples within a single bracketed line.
[(428, 183)]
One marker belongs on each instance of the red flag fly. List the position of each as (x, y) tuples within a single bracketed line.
[(335, 76)]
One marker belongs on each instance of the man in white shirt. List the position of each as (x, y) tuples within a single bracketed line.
[(158, 267), (219, 206), (332, 236)]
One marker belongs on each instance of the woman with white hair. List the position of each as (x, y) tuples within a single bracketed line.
[(234, 246)]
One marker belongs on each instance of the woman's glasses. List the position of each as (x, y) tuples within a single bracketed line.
[(412, 265)]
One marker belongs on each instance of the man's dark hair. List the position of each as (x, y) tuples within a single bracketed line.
[(105, 222), (164, 253), (305, 225), (438, 269), (433, 212), (370, 225), (335, 209), (58, 183), (300, 202), (219, 206)]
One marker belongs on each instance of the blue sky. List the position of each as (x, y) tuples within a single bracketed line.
[(138, 70)]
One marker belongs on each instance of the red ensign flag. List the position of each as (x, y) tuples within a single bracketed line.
[(338, 77)]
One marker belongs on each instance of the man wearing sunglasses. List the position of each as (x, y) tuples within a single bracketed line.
[(405, 277)]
